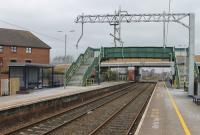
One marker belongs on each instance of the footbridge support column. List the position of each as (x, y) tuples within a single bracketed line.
[(137, 74)]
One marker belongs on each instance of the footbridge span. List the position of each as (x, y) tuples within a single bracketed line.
[(94, 60)]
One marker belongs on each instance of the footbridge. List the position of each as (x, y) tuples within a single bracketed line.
[(94, 60), (137, 56), (89, 64)]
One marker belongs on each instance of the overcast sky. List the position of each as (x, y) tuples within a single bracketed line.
[(46, 17)]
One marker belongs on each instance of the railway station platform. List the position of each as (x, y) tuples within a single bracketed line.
[(170, 112), (8, 102)]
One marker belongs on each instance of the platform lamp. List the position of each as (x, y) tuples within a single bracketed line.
[(65, 33)]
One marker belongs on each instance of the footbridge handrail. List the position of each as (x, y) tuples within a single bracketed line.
[(177, 77), (88, 72), (75, 65)]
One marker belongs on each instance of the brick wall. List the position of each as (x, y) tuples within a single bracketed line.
[(37, 55)]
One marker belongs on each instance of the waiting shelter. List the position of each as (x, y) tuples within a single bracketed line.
[(26, 76)]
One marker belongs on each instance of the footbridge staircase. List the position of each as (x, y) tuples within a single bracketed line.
[(80, 71)]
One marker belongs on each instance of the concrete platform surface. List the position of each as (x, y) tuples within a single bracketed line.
[(7, 102), (170, 112)]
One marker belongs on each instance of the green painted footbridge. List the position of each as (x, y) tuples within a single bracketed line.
[(84, 67)]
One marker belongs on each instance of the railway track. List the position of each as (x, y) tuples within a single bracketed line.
[(125, 117), (47, 125), (88, 123), (98, 120)]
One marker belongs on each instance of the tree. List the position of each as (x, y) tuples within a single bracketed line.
[(111, 75), (62, 60)]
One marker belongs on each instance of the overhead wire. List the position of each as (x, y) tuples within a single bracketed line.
[(27, 29)]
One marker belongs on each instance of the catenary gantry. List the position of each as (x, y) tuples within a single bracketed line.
[(124, 17)]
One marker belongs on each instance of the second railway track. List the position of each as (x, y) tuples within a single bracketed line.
[(112, 113), (49, 124), (98, 121)]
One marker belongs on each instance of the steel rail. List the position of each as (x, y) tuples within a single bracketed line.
[(116, 113), (68, 110), (129, 131), (83, 114)]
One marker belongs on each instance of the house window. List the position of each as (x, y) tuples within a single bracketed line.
[(13, 49), (13, 61), (27, 61), (1, 49), (28, 50)]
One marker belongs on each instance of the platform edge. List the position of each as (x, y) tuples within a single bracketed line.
[(145, 112)]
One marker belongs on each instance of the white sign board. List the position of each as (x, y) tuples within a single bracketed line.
[(4, 87)]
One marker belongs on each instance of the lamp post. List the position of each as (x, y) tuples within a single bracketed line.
[(65, 55), (65, 48), (99, 67)]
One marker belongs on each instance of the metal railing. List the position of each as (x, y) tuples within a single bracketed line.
[(177, 77), (88, 72), (88, 53), (75, 65)]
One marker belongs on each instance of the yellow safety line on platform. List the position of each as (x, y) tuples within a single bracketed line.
[(181, 119)]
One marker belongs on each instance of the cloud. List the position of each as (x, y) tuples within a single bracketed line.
[(49, 16)]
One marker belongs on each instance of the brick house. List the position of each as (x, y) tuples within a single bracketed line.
[(21, 46)]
